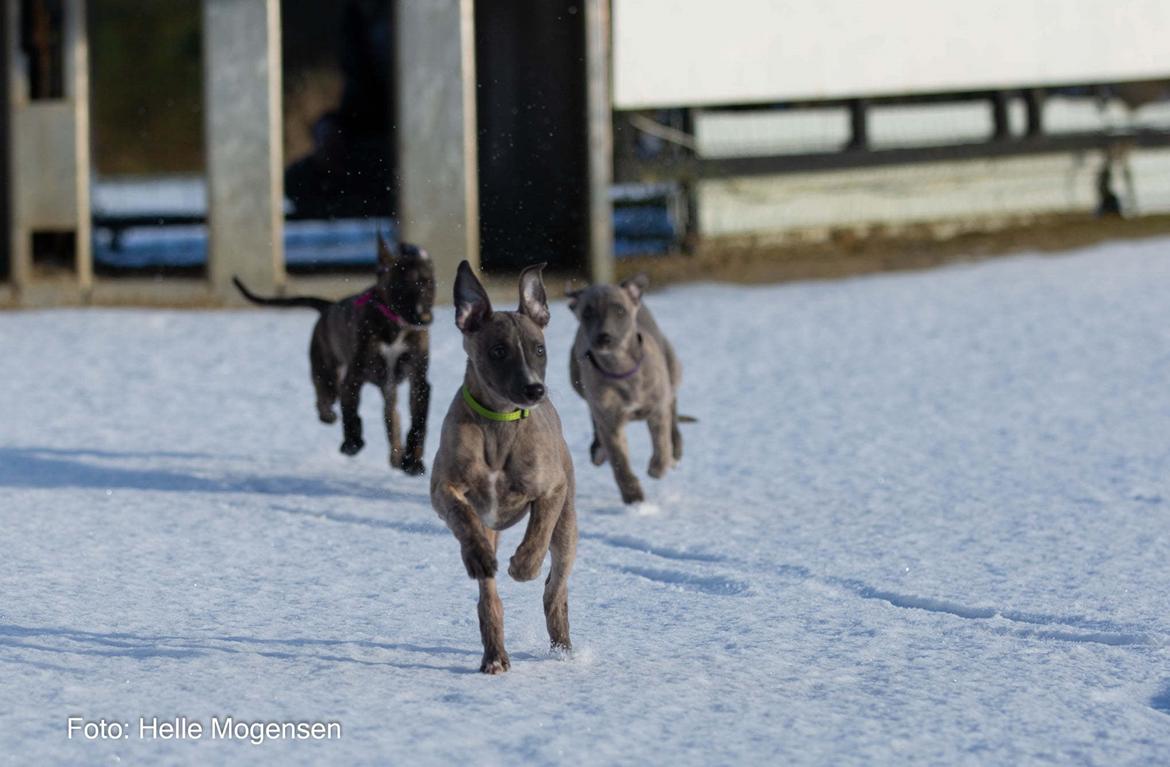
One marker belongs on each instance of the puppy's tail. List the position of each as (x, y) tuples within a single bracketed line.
[(687, 419), (320, 304)]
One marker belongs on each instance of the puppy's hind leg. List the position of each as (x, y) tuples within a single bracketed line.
[(324, 383), (675, 434), (556, 588), (491, 621)]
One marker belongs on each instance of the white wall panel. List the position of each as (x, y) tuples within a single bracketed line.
[(703, 52)]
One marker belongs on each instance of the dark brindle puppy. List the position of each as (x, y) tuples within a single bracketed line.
[(502, 455), (378, 336)]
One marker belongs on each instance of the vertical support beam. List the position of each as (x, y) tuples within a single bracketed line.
[(599, 108), (999, 115), (19, 245), (242, 107), (48, 146), (1034, 103), (77, 92), (858, 125), (438, 201), (5, 161)]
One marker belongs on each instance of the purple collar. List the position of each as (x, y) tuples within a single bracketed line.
[(387, 312), (617, 376)]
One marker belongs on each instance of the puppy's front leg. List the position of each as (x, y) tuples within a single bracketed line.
[(478, 547), (479, 555), (351, 423), (660, 421), (390, 416), (542, 520), (491, 624), (420, 402), (613, 439)]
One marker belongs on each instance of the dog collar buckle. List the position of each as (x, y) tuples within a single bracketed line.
[(492, 415)]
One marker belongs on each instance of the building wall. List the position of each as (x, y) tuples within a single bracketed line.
[(670, 53)]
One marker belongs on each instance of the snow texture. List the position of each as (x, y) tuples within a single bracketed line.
[(923, 518)]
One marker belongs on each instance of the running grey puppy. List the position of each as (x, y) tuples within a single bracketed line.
[(626, 370), (502, 455)]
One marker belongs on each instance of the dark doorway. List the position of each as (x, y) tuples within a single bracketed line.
[(533, 151), (339, 108)]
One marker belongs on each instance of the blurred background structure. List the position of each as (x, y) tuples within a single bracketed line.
[(152, 150)]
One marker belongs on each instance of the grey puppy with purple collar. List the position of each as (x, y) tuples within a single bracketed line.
[(624, 368)]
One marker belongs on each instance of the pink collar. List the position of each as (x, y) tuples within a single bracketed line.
[(387, 312)]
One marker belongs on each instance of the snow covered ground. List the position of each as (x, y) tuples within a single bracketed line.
[(923, 518)]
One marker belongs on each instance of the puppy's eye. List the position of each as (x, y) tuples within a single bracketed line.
[(619, 311), (540, 350), (498, 352)]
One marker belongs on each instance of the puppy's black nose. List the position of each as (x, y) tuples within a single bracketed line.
[(603, 340), (534, 391)]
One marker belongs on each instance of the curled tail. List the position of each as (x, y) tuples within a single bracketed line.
[(320, 304)]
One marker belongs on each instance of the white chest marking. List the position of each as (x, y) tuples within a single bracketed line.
[(490, 515), (391, 352)]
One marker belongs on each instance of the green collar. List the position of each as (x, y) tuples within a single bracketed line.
[(492, 415)]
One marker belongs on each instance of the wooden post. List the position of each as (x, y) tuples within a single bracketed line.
[(5, 146), (1034, 102), (48, 148), (245, 173), (600, 114), (77, 93), (438, 201)]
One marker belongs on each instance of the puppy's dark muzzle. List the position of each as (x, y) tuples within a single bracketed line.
[(534, 392), (603, 340)]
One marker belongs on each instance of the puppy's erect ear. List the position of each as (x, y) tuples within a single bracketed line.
[(636, 286), (413, 251), (385, 255), (472, 307), (572, 295), (533, 301)]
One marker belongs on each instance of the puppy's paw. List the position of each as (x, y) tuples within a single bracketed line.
[(327, 416), (658, 466), (562, 650), (597, 453), (353, 446), (495, 663), (479, 561), (414, 466), (524, 567), (396, 459), (632, 494)]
